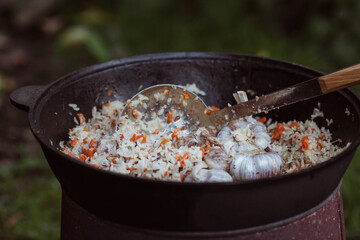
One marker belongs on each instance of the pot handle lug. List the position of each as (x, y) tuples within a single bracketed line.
[(25, 97)]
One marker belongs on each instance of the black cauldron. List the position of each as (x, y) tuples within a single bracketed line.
[(188, 207)]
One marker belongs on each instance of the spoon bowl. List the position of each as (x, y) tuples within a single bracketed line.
[(174, 104)]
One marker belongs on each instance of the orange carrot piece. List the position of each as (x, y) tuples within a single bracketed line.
[(213, 108), (186, 155), (305, 142), (165, 173), (133, 138), (95, 165), (262, 120), (177, 118), (208, 112), (280, 127), (135, 113), (156, 131), (278, 131), (318, 142), (122, 136), (74, 142), (107, 104), (144, 138), (88, 152), (175, 133), (203, 152), (207, 148), (83, 158), (276, 136), (110, 92), (170, 117), (186, 95), (91, 144), (164, 141), (81, 118), (145, 169)]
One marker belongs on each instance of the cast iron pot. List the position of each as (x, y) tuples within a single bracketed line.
[(188, 207)]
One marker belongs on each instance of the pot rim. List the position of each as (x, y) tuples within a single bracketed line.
[(87, 71)]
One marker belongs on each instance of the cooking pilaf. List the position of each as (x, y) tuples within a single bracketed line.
[(153, 149)]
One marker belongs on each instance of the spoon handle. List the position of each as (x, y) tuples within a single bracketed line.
[(341, 79), (302, 91)]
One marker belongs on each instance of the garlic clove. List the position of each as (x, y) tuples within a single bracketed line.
[(243, 131)]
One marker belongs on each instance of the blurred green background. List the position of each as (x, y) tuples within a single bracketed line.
[(41, 40)]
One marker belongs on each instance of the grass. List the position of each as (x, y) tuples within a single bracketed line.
[(351, 198), (30, 199)]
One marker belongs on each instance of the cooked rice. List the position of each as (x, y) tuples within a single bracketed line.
[(120, 146), (347, 112), (148, 149), (74, 106), (303, 144)]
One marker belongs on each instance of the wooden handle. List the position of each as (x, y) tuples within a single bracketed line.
[(341, 79)]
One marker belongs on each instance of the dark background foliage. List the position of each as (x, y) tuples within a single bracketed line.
[(41, 40)]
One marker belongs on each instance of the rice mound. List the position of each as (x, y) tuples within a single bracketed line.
[(303, 144), (150, 150), (116, 143)]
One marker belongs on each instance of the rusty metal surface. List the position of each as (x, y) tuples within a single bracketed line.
[(325, 223)]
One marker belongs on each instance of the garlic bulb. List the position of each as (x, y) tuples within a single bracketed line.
[(255, 166), (216, 158), (244, 134), (208, 175)]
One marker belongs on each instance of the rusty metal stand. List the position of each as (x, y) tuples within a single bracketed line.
[(327, 222)]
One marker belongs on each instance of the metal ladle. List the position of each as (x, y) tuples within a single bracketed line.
[(195, 113)]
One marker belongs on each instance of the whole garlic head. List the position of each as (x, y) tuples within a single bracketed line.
[(256, 166), (243, 134)]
